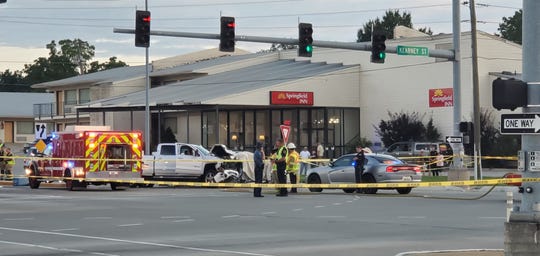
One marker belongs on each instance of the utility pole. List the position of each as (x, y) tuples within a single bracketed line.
[(476, 94), (146, 105), (456, 66), (523, 229)]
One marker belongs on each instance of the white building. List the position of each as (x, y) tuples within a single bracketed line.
[(238, 100)]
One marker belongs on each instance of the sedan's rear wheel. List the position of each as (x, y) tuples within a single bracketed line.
[(349, 190), (314, 179), (404, 191), (368, 178)]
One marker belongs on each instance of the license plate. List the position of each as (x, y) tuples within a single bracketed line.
[(406, 178)]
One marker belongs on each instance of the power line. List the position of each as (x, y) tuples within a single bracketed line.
[(154, 6)]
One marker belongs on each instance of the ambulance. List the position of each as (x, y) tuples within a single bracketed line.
[(83, 155)]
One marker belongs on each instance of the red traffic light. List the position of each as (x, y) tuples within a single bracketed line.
[(146, 19), (231, 25)]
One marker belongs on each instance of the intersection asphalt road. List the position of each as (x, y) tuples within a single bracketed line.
[(190, 221)]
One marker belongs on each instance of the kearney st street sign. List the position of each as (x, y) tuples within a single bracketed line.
[(412, 50), (520, 123)]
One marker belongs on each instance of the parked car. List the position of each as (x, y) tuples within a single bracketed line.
[(413, 151), (379, 168), (28, 146)]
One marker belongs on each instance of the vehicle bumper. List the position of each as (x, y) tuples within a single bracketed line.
[(116, 176)]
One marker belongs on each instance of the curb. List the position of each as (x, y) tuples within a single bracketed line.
[(449, 251)]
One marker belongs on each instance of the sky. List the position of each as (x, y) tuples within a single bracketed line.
[(28, 25)]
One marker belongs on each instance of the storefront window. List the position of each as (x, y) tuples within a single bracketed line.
[(304, 128), (292, 116), (70, 97), (209, 128), (236, 130), (317, 124), (334, 131), (250, 138), (262, 127), (351, 125), (276, 122), (223, 128)]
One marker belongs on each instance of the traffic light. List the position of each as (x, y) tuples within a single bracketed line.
[(467, 128), (142, 29), (378, 47), (509, 94), (226, 37), (305, 40)]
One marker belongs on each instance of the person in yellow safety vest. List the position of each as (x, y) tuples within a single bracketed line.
[(281, 165), (293, 165), (10, 162), (2, 163), (274, 166)]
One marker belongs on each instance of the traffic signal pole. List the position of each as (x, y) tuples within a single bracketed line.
[(435, 53), (522, 231)]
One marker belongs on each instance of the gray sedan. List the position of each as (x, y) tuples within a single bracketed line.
[(378, 168)]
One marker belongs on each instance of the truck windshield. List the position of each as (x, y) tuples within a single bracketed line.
[(202, 150)]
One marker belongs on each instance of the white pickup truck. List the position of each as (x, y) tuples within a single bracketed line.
[(180, 160)]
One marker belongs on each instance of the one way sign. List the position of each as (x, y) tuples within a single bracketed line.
[(520, 123)]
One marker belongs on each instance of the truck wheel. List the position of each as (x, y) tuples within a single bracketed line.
[(208, 175)]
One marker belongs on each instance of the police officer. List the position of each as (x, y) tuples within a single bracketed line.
[(359, 161), (258, 158), (9, 163), (293, 165), (281, 165)]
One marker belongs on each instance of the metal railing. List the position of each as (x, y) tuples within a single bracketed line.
[(50, 110)]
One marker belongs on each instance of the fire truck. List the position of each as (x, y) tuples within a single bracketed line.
[(83, 155)]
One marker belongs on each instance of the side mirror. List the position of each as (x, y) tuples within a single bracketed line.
[(331, 164)]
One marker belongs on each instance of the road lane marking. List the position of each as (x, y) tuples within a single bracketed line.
[(268, 213), (331, 217), (97, 218), (230, 216), (174, 217), (130, 225), (297, 209), (15, 219), (492, 218), (64, 229), (411, 217), (336, 204), (226, 252), (349, 201), (54, 248), (184, 220), (320, 206)]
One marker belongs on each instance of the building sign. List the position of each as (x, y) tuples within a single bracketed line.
[(291, 98), (443, 97)]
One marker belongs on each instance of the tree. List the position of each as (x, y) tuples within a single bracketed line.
[(49, 69), (78, 52), (95, 66), (401, 127), (426, 30), (167, 135), (432, 133), (13, 82), (389, 21), (510, 28)]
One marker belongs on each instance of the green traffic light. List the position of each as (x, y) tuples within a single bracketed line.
[(309, 48), (382, 55)]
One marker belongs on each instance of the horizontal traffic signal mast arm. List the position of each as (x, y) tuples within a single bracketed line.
[(364, 46)]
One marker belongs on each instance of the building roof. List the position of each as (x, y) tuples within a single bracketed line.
[(133, 72), (206, 88), (21, 104), (101, 77)]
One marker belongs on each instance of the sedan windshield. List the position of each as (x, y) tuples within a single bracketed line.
[(383, 159)]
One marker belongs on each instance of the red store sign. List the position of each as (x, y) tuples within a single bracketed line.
[(443, 97), (291, 98)]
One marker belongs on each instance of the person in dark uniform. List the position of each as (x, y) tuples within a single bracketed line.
[(258, 157), (433, 161), (281, 166), (359, 161)]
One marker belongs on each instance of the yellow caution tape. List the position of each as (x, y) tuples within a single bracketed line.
[(503, 181)]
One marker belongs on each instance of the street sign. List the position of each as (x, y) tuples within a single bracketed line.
[(285, 131), (412, 50), (521, 161), (534, 161), (454, 139), (520, 123), (40, 131)]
